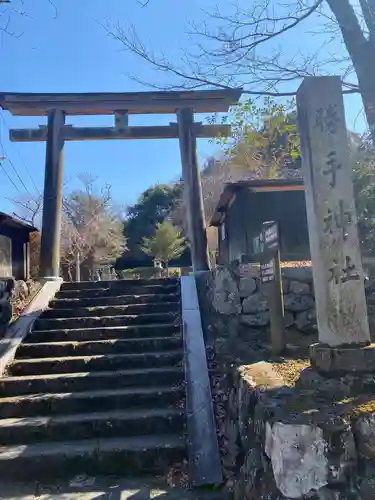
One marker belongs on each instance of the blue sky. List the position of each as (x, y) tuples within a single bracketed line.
[(69, 51)]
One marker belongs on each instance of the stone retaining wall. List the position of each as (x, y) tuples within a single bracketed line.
[(312, 440), (284, 431), (236, 313)]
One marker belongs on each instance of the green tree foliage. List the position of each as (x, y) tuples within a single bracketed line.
[(264, 139), (153, 207), (364, 190), (166, 243)]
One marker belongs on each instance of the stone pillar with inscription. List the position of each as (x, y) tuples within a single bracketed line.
[(344, 336)]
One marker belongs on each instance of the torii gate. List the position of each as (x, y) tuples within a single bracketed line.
[(57, 106)]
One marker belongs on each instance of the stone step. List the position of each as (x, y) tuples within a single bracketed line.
[(69, 364), (130, 332), (93, 347), (86, 381), (103, 321), (117, 310), (90, 401), (115, 300), (118, 284), (102, 487), (115, 292), (123, 456), (91, 425)]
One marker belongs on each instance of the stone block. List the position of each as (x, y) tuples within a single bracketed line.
[(371, 324), (286, 283), (247, 286), (226, 298), (364, 432), (303, 274), (255, 303), (306, 455), (251, 473), (288, 319), (298, 457), (341, 360), (254, 380), (298, 303), (259, 319), (367, 488), (299, 287), (306, 320), (334, 494)]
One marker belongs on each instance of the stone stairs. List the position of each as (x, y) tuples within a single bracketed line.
[(98, 386)]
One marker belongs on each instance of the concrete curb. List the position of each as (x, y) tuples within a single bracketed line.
[(203, 447), (22, 326)]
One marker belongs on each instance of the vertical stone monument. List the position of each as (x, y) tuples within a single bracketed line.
[(344, 337)]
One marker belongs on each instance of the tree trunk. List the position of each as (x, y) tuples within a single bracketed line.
[(78, 266), (70, 277), (361, 51)]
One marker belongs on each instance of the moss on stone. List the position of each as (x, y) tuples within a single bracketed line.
[(290, 370)]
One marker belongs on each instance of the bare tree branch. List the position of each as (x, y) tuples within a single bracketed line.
[(235, 63), (6, 13)]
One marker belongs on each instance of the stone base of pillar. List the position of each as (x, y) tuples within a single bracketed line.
[(343, 360)]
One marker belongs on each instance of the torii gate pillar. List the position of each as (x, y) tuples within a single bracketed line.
[(193, 198), (52, 204)]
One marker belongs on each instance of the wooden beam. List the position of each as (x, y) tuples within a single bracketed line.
[(200, 101), (71, 133)]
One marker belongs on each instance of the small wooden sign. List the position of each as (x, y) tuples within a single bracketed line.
[(271, 235), (267, 272)]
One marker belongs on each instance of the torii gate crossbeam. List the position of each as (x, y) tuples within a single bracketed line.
[(121, 105)]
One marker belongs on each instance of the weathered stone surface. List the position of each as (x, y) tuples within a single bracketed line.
[(367, 488), (306, 320), (286, 286), (259, 319), (247, 286), (251, 472), (226, 298), (364, 431), (298, 303), (305, 457), (333, 494), (299, 287), (335, 253), (298, 457), (310, 379), (288, 319), (303, 274), (255, 303), (252, 382), (371, 323), (341, 450), (343, 360)]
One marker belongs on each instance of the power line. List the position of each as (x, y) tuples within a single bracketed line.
[(28, 171), (9, 177), (22, 160), (4, 153), (2, 166), (18, 175)]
